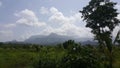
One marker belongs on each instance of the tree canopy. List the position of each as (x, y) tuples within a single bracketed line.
[(101, 17)]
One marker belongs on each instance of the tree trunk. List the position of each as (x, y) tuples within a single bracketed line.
[(111, 61)]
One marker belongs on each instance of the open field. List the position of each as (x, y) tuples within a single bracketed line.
[(60, 56)]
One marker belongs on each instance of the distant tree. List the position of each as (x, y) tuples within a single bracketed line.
[(1, 43), (101, 17), (68, 43)]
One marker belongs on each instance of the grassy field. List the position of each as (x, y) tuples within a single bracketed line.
[(59, 56)]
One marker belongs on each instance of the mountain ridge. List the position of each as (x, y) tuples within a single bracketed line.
[(53, 39)]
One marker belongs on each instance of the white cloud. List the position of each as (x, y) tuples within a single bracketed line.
[(73, 30), (118, 27), (9, 25), (6, 35), (28, 17), (0, 3), (116, 31), (69, 30), (5, 32), (118, 7), (47, 30), (54, 10), (59, 17), (67, 24), (44, 10), (118, 16)]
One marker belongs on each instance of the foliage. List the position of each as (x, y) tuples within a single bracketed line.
[(37, 56), (101, 17)]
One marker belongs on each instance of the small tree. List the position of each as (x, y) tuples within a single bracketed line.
[(68, 44), (101, 17)]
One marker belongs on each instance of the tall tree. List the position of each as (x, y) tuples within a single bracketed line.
[(101, 17)]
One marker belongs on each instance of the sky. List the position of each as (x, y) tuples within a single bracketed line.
[(20, 19)]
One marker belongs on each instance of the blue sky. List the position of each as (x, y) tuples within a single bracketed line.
[(20, 19)]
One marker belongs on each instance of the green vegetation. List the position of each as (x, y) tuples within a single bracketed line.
[(66, 55), (101, 17)]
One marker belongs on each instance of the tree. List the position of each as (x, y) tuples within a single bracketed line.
[(101, 17), (68, 44)]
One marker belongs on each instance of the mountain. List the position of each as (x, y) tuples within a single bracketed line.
[(89, 42), (52, 39), (47, 40)]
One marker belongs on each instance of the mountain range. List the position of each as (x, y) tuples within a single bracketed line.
[(53, 39)]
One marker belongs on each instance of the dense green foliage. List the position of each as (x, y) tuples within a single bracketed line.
[(101, 17), (66, 55)]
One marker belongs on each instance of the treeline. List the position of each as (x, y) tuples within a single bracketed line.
[(66, 55)]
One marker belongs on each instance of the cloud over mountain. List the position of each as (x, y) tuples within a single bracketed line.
[(65, 25)]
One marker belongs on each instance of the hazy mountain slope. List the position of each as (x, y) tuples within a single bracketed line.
[(53, 39), (47, 40)]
